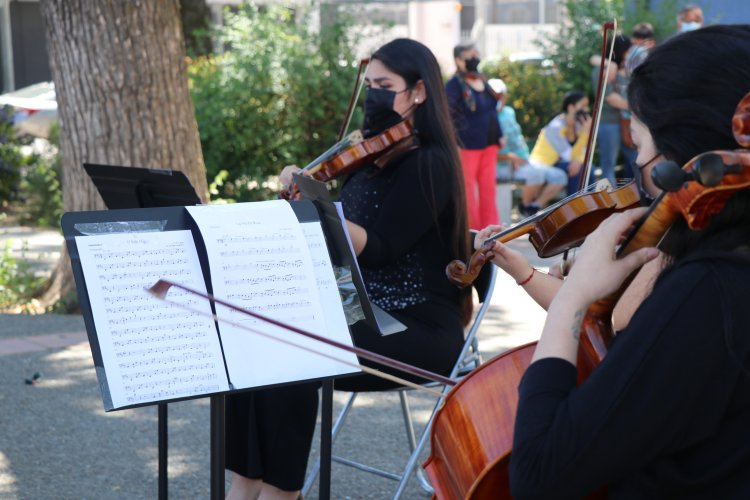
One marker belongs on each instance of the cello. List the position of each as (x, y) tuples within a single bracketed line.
[(472, 433)]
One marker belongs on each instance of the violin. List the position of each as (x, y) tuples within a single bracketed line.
[(558, 228), (354, 151), (566, 224), (472, 434)]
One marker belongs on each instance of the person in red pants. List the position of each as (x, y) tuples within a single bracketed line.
[(472, 103)]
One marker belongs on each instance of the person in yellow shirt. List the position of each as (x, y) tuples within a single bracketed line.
[(557, 155)]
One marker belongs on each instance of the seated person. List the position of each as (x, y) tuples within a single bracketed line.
[(516, 151), (557, 155)]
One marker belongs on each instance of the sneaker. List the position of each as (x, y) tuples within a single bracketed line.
[(528, 210)]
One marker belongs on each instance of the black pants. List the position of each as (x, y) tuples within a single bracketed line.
[(269, 432)]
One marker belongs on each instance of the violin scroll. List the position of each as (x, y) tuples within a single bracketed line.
[(463, 275)]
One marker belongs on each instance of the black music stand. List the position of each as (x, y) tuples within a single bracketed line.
[(135, 187)]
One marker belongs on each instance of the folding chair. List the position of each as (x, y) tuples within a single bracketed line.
[(468, 359)]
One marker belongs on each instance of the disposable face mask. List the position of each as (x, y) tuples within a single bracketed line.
[(689, 26), (379, 113), (472, 65)]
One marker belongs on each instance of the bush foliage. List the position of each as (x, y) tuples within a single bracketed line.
[(535, 92), (275, 96)]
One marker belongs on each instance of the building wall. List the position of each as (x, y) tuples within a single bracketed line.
[(30, 63)]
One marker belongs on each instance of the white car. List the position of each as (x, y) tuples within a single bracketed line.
[(35, 108)]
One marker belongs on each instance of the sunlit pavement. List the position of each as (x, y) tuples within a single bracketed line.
[(57, 442)]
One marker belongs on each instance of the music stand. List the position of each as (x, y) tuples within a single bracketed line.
[(135, 187)]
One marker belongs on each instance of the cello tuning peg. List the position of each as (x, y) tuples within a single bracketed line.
[(668, 176), (709, 169)]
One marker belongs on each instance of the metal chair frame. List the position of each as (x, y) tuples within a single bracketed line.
[(468, 359)]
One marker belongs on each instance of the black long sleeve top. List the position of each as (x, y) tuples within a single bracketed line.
[(667, 412), (408, 220)]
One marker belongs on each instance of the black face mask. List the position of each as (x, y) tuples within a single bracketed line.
[(379, 113), (472, 65), (646, 198)]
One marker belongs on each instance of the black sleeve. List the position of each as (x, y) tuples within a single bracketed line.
[(408, 211), (670, 362)]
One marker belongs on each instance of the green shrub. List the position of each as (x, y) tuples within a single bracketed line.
[(275, 96), (571, 46), (11, 158), (40, 188), (17, 280), (535, 92)]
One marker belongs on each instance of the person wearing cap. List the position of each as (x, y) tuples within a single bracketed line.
[(516, 151)]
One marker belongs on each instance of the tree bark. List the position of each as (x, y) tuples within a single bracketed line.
[(123, 99)]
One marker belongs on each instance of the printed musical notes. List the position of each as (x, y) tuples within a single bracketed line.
[(151, 349), (262, 259)]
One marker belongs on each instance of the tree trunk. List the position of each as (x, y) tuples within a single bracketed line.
[(123, 99)]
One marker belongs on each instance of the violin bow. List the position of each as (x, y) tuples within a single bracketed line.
[(161, 287), (356, 91), (598, 101), (595, 118)]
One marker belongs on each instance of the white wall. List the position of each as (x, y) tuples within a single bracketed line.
[(437, 25), (506, 39)]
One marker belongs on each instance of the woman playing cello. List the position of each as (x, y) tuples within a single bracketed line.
[(665, 414), (406, 220)]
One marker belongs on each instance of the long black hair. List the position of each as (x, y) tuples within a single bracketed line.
[(686, 93), (413, 61)]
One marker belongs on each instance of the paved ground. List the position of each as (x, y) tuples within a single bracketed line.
[(56, 442)]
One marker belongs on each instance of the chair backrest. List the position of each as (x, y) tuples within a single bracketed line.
[(485, 282), (484, 286)]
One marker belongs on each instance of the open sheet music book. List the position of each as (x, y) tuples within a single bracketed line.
[(260, 256)]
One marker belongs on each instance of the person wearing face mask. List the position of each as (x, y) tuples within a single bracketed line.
[(406, 221), (665, 414), (558, 154), (690, 18), (472, 103)]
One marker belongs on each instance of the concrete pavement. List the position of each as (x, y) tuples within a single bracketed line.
[(57, 442)]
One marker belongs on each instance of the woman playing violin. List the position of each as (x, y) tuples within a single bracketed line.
[(406, 220), (665, 414)]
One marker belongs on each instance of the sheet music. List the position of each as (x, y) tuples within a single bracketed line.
[(260, 260), (151, 350)]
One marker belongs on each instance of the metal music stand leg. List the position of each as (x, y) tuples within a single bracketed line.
[(326, 422), (163, 451), (217, 447)]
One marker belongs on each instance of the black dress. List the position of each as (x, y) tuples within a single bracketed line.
[(408, 216), (667, 412)]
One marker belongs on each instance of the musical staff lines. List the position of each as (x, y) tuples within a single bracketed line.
[(151, 348)]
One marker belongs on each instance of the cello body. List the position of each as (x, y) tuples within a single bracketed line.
[(472, 432)]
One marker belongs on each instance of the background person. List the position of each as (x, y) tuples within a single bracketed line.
[(472, 104), (690, 18), (609, 136), (557, 155), (515, 153)]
